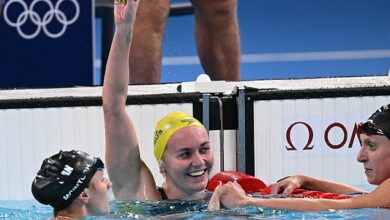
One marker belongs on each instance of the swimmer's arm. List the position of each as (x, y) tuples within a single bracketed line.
[(375, 199), (287, 185), (328, 186), (126, 169), (122, 154), (295, 204)]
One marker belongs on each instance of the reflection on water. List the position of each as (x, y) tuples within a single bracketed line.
[(24, 210)]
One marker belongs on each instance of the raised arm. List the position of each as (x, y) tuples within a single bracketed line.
[(232, 197), (130, 176), (287, 185)]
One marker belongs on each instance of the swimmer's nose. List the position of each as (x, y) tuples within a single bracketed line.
[(109, 185)]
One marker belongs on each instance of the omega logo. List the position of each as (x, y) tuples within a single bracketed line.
[(309, 143)]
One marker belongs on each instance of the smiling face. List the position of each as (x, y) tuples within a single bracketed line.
[(375, 155), (98, 202), (187, 163)]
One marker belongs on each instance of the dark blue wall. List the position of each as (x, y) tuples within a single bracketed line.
[(50, 47)]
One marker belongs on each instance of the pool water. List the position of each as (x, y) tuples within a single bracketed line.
[(23, 210)]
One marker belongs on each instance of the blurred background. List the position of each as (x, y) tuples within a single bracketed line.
[(280, 39)]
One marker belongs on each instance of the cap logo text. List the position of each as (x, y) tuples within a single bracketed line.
[(67, 170)]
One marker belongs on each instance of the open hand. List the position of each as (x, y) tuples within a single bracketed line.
[(125, 12)]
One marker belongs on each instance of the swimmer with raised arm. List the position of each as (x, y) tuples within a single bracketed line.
[(182, 146), (374, 137), (73, 183)]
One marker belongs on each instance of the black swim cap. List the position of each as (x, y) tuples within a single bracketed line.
[(63, 177), (381, 119)]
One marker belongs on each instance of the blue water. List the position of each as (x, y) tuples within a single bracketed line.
[(23, 210)]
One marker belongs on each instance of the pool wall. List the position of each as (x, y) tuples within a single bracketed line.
[(272, 128), (37, 123)]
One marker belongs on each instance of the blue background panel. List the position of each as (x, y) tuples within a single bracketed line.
[(44, 60), (279, 37)]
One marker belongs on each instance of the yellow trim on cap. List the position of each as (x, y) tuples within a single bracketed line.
[(167, 126)]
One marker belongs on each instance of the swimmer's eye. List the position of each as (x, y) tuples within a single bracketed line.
[(204, 150), (372, 146), (184, 154)]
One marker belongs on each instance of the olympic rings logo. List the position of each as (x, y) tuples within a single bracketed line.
[(41, 22)]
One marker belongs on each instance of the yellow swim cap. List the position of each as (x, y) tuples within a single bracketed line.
[(167, 126)]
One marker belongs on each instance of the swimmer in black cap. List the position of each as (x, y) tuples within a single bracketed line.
[(374, 137), (73, 183)]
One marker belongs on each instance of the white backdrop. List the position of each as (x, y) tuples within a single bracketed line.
[(27, 136), (328, 152)]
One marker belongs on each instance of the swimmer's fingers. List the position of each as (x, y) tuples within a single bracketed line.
[(218, 189), (236, 186), (239, 188), (287, 185), (214, 203), (279, 188), (125, 13), (289, 189), (118, 11), (124, 2), (276, 188), (283, 188)]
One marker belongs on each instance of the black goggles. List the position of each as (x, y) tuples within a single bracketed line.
[(98, 164), (369, 128)]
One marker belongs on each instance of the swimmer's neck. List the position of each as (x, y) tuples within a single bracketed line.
[(74, 212), (187, 197), (64, 217), (174, 193)]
